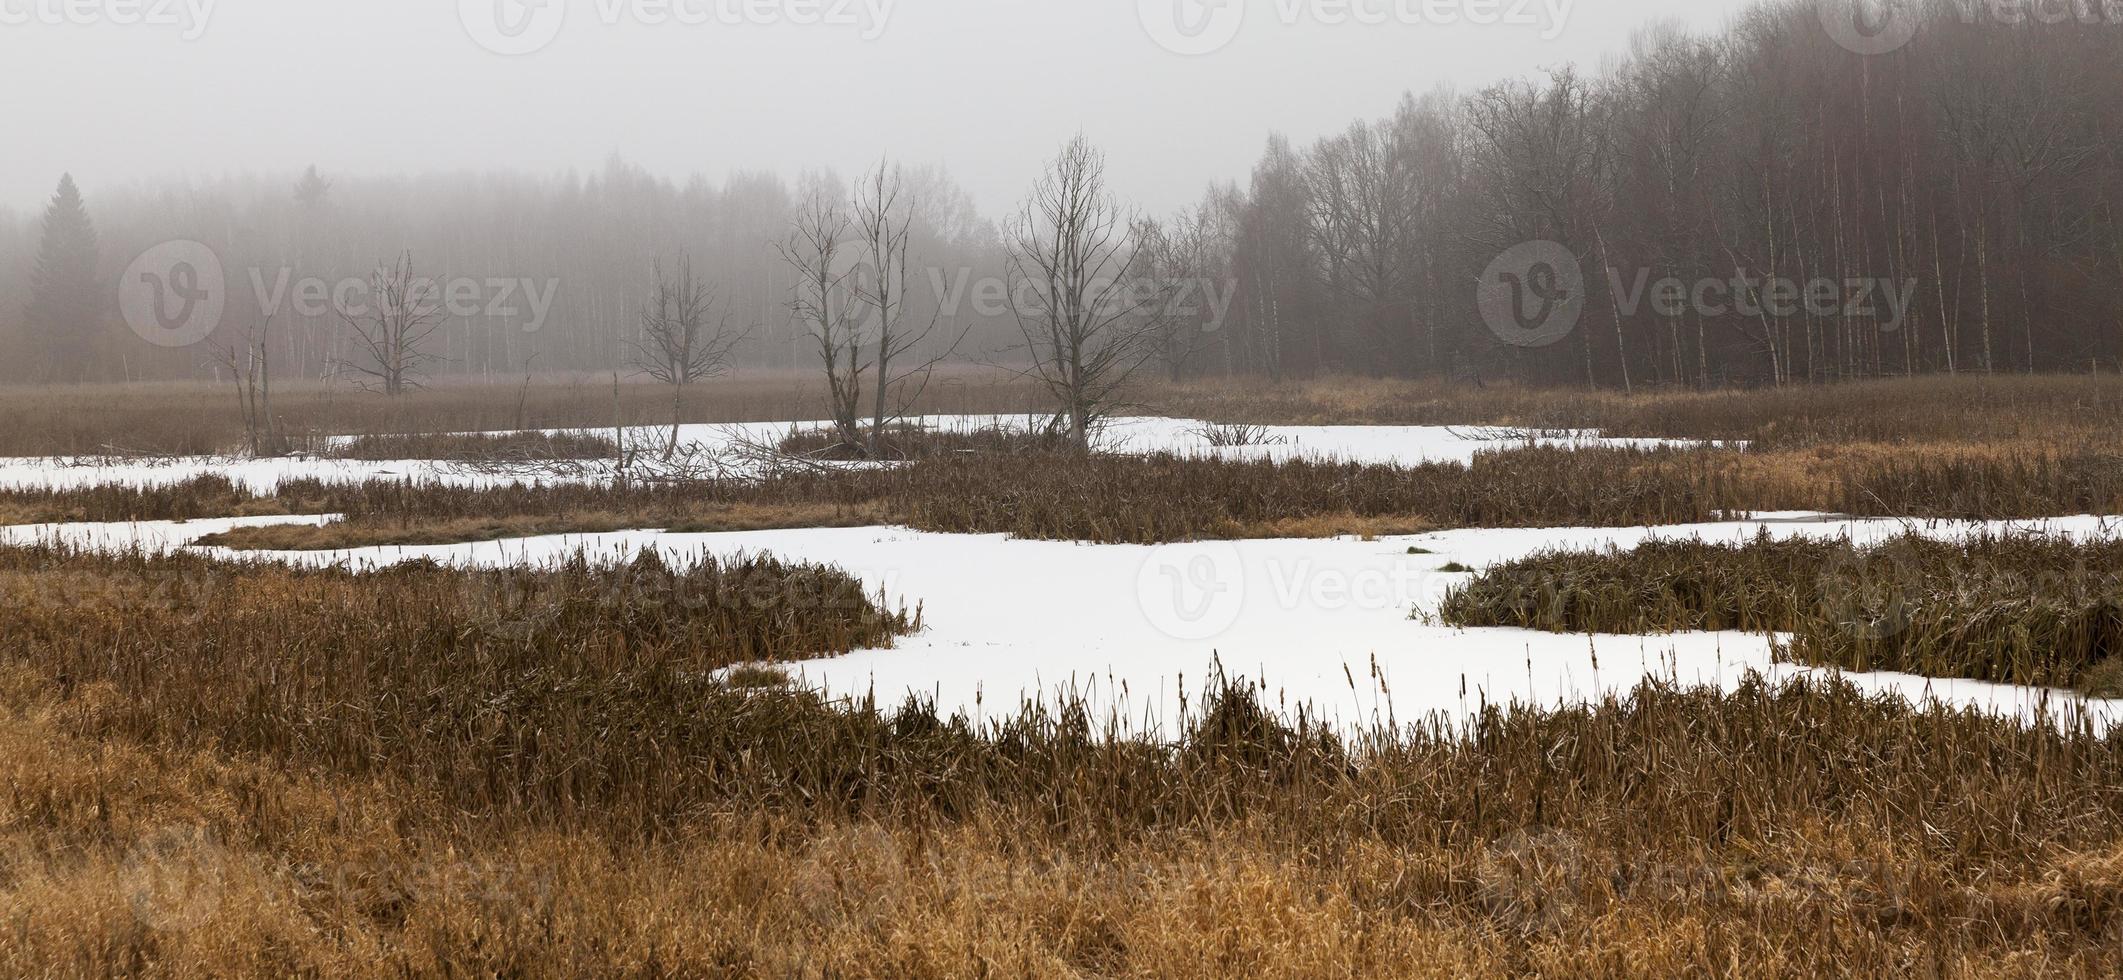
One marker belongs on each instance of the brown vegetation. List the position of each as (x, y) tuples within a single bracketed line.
[(524, 692), (623, 814), (203, 496), (480, 447), (371, 532), (2047, 410), (2020, 609), (203, 419), (913, 440), (1157, 498)]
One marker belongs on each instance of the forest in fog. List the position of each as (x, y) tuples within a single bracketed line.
[(1974, 175)]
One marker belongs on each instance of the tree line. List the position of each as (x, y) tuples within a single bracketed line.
[(1950, 205)]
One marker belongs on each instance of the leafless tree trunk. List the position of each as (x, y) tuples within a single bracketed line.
[(1071, 252), (685, 337), (252, 372), (883, 222), (824, 305), (391, 333)]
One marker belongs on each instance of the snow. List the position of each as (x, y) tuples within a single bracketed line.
[(1335, 625)]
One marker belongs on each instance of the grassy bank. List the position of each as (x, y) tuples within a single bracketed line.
[(2018, 609), (1776, 831), (2047, 410)]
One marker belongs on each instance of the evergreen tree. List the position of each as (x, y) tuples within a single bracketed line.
[(313, 188), (65, 307)]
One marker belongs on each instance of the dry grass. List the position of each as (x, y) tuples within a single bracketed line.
[(1159, 498), (2050, 410), (202, 496), (370, 533), (2018, 609), (910, 440), (1058, 497), (519, 693), (201, 419), (1777, 831), (480, 447)]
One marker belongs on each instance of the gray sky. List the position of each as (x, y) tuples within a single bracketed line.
[(988, 88)]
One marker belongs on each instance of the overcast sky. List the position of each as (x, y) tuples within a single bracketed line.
[(986, 87)]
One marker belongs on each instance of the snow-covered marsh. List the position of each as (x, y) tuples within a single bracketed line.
[(1337, 625)]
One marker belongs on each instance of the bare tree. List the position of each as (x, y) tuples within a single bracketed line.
[(823, 304), (402, 313), (685, 337), (884, 221), (252, 372), (1175, 270), (1071, 251), (1539, 152)]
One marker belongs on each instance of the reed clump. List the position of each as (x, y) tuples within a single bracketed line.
[(2018, 609), (513, 691), (911, 440), (206, 495), (480, 447)]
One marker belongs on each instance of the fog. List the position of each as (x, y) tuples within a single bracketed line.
[(122, 92)]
